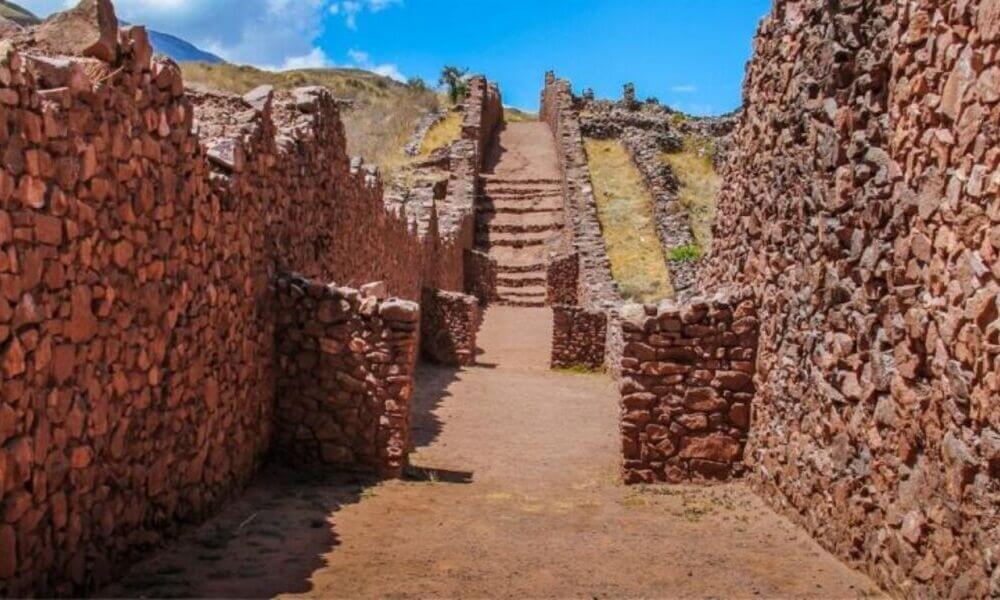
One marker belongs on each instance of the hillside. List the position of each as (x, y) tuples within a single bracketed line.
[(164, 43), (180, 50), (382, 112), (16, 13)]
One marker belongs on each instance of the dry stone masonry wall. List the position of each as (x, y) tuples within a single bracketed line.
[(345, 376), (142, 230), (451, 321), (861, 205), (562, 282), (578, 337), (687, 389), (596, 289)]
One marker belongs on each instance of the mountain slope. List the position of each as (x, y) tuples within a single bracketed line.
[(17, 13), (164, 43), (380, 115), (180, 50)]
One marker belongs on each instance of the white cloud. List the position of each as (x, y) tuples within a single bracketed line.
[(315, 59), (362, 60), (350, 9), (270, 33), (684, 89)]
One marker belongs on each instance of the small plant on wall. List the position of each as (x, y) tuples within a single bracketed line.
[(685, 253)]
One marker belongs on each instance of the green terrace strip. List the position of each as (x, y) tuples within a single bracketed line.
[(699, 185), (625, 209)]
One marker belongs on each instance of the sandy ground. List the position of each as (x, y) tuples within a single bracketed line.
[(512, 494)]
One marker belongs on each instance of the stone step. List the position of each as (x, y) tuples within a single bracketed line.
[(514, 267), (490, 239), (514, 223), (521, 280), (499, 180), (549, 205), (482, 228), (529, 292), (520, 303), (521, 191), (513, 260)]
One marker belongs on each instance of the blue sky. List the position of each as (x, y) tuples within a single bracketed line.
[(688, 53)]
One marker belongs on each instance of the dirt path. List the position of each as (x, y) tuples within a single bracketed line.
[(513, 494)]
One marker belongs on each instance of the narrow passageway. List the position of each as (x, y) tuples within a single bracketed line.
[(520, 211), (513, 492)]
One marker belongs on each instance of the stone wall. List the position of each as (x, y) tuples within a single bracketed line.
[(578, 337), (596, 287), (480, 276), (450, 323), (562, 280), (345, 364), (141, 228), (861, 205), (687, 389)]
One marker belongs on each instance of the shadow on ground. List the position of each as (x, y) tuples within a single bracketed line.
[(273, 537), (268, 541)]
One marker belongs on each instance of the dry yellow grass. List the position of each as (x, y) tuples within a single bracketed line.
[(443, 133), (699, 186), (516, 115), (625, 209), (379, 124)]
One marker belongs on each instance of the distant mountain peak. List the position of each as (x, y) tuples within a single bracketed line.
[(164, 43)]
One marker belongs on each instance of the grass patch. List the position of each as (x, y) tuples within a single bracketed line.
[(685, 253), (378, 125), (625, 209), (443, 133), (699, 186)]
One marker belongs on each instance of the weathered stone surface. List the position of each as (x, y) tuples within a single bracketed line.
[(138, 299), (704, 400), (449, 322), (348, 405), (578, 337), (860, 206), (89, 29)]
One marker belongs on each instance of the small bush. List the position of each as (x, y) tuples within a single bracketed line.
[(677, 118), (416, 84), (685, 253)]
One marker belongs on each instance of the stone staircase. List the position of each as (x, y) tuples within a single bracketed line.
[(516, 219)]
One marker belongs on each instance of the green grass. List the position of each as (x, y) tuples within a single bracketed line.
[(625, 209), (379, 123), (699, 186), (685, 253)]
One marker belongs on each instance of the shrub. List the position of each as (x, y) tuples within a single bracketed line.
[(416, 84), (454, 79)]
